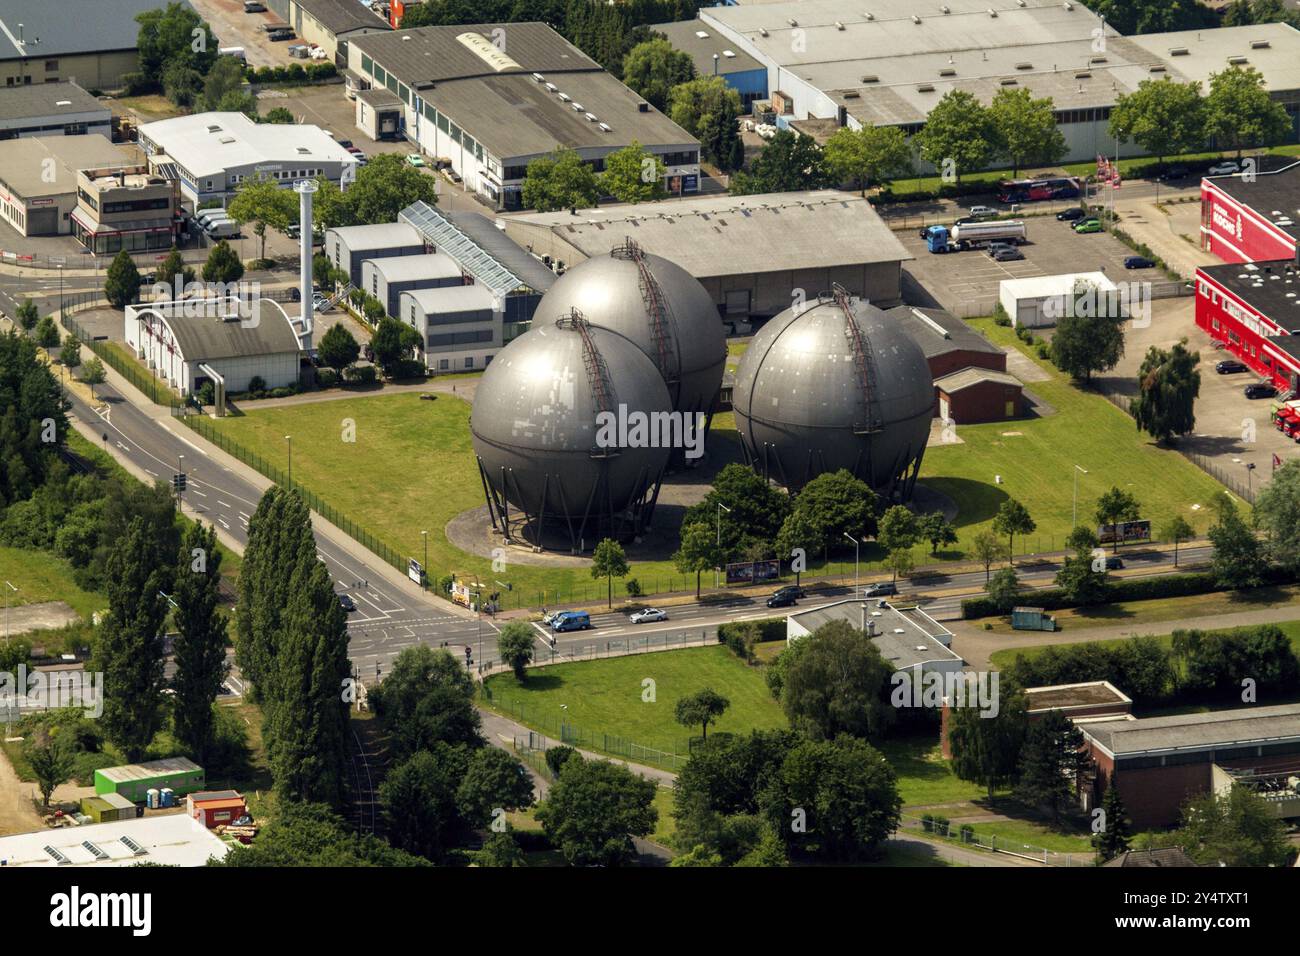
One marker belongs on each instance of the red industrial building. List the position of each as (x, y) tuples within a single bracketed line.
[(1251, 217), (976, 395), (215, 807), (1254, 309)]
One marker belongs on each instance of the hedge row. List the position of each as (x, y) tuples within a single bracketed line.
[(293, 74), (741, 636)]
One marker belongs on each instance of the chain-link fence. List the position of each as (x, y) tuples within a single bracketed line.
[(114, 355), (970, 835)]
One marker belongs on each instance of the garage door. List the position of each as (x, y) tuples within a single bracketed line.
[(43, 222)]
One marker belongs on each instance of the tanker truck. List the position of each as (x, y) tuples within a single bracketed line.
[(972, 235)]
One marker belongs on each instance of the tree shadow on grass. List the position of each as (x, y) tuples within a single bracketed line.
[(542, 682)]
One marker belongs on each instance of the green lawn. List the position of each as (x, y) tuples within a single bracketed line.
[(924, 777), (1035, 459), (604, 699), (40, 577)]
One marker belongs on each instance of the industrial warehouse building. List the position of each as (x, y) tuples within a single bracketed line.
[(212, 153), (889, 64), (461, 319), (92, 42), (905, 637), (713, 55), (488, 111), (331, 24), (751, 253), (134, 781), (171, 839), (52, 109), (38, 179), (1159, 763), (225, 341), (1251, 218), (387, 278), (1254, 309), (1037, 302), (349, 246)]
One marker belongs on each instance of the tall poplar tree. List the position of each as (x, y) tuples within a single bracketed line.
[(200, 649)]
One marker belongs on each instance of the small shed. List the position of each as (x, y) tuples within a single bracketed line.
[(379, 114), (386, 279), (1040, 301), (976, 395), (134, 781), (215, 807), (108, 807), (1032, 619)]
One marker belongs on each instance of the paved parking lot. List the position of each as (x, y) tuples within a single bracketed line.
[(234, 27), (966, 283)]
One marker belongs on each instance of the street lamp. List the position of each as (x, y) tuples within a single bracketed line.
[(1250, 468), (289, 439), (425, 536), (60, 291), (1114, 173), (1074, 519), (718, 541), (8, 601), (856, 550)]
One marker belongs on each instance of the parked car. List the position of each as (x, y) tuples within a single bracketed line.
[(1174, 172), (1007, 254), (1070, 215), (277, 36), (647, 615), (982, 212), (1114, 564), (1223, 169), (1260, 390), (1230, 367), (880, 589), (346, 602), (1138, 262), (415, 159), (293, 230), (254, 6), (1088, 225), (346, 144)]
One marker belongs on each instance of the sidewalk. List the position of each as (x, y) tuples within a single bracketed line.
[(1162, 232)]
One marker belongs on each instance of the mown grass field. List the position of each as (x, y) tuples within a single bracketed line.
[(41, 576)]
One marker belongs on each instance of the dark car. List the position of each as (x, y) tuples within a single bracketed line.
[(882, 589), (278, 35), (1114, 564), (1138, 262), (1070, 215), (785, 597), (1230, 367), (1260, 390), (346, 602), (345, 143), (1006, 254)]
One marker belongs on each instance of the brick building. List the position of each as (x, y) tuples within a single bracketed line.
[(976, 395), (1253, 309)]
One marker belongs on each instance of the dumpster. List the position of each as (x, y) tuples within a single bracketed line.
[(1031, 619)]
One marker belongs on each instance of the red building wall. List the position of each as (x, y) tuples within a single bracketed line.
[(1246, 332), (1152, 796), (1236, 233), (955, 361), (984, 402)]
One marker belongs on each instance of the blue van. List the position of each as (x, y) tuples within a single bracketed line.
[(571, 621)]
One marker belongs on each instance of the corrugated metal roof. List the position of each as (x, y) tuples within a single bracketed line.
[(154, 768), (47, 99), (967, 377), (1242, 725), (265, 329), (341, 17), (51, 29)]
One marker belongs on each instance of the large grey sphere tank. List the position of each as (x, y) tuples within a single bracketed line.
[(534, 427), (834, 385), (658, 306)]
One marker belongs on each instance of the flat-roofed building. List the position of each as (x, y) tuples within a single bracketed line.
[(52, 109), (169, 839), (906, 637), (460, 326), (124, 207), (749, 252), (38, 178), (488, 112), (331, 24), (386, 279), (713, 55)]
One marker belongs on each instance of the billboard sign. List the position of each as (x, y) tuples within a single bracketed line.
[(1124, 532), (463, 594), (414, 571), (753, 572)]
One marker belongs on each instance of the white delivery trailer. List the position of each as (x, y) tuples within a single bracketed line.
[(971, 235)]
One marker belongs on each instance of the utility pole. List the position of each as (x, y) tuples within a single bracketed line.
[(8, 601), (289, 439), (718, 541), (1074, 519), (856, 552)]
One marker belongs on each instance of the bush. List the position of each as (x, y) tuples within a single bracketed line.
[(282, 392), (257, 384), (326, 378), (444, 584), (927, 822), (1126, 589), (360, 375), (1041, 350), (557, 757), (633, 588), (1000, 316), (967, 833), (207, 393)]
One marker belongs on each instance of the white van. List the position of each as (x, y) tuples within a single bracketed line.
[(223, 229), (236, 51), (205, 216)]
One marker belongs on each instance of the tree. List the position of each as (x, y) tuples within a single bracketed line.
[(986, 749), (797, 534), (897, 529), (900, 563), (70, 354), (168, 40), (391, 343), (427, 698), (1026, 128), (789, 162), (28, 315), (633, 175), (129, 647), (1003, 589), (312, 834), (200, 646), (278, 115), (1168, 385), (1081, 580), (755, 511), (698, 552), (1238, 560), (701, 708), (223, 264), (557, 757), (122, 281), (1240, 112), (47, 333), (868, 156), (337, 348), (1177, 529), (1154, 16), (419, 801), (494, 782), (181, 84), (1012, 519), (500, 849), (92, 373), (835, 504), (515, 645), (608, 561), (1117, 830), (959, 136), (654, 67), (594, 809), (1090, 336), (1050, 761), (936, 529), (709, 109), (225, 77), (1115, 507), (847, 791), (51, 760), (837, 684), (171, 267), (987, 549), (1163, 116), (1277, 514), (262, 202), (385, 186), (559, 180), (1234, 829)]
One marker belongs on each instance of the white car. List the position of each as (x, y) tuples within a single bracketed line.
[(646, 615), (1223, 169)]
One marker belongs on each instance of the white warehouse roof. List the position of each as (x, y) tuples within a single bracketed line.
[(210, 143), (382, 235), (1039, 287), (431, 265), (452, 299), (174, 839)]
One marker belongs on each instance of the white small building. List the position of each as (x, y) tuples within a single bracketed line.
[(212, 153), (184, 341), (348, 246), (905, 637), (461, 327), (172, 839), (386, 279), (1039, 301)]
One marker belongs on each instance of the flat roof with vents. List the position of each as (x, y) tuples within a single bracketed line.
[(173, 839), (905, 636), (208, 144), (702, 45), (1273, 195), (1272, 289), (61, 102)]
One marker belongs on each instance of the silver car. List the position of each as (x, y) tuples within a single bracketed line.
[(647, 615)]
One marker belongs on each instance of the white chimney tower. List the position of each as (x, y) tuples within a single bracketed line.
[(305, 188)]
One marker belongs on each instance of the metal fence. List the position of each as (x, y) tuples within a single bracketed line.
[(145, 261), (901, 221), (112, 355), (969, 835)]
